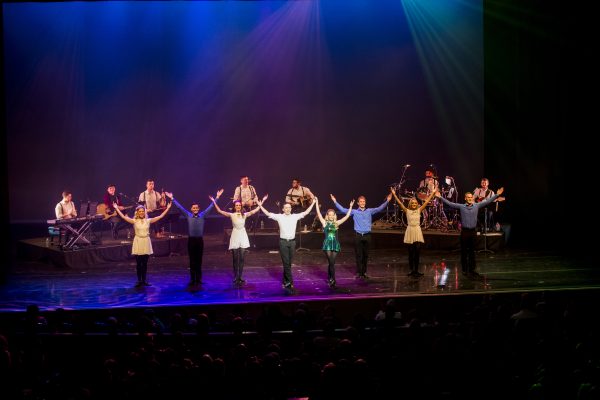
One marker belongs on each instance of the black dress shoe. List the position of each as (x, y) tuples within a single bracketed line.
[(417, 274), (147, 284), (138, 284)]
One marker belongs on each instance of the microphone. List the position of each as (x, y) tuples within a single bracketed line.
[(407, 165)]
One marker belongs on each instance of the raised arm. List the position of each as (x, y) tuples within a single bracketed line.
[(125, 217), (211, 205), (338, 205), (179, 206), (214, 202), (490, 199), (308, 210), (323, 222), (345, 218), (445, 201), (252, 212), (428, 199), (260, 205), (153, 220), (402, 206), (382, 206)]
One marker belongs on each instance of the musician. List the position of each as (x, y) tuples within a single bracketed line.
[(154, 203), (430, 182), (481, 193), (110, 198), (299, 197), (65, 209), (246, 194)]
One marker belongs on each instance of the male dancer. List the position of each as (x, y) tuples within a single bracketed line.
[(195, 220), (287, 238), (363, 220)]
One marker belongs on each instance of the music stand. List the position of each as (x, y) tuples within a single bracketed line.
[(485, 224), (300, 248)]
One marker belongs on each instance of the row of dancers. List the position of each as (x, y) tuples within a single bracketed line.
[(287, 222)]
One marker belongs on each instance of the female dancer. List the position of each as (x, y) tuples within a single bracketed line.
[(331, 244), (413, 235), (142, 246), (238, 241)]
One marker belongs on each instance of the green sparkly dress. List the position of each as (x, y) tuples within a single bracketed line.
[(331, 242)]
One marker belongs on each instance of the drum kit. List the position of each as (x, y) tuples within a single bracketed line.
[(433, 215)]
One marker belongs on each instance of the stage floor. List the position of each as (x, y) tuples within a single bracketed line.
[(111, 284)]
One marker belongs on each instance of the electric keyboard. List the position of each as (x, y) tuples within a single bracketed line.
[(74, 220), (77, 228)]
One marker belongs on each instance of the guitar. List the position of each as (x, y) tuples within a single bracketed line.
[(305, 201), (103, 209)]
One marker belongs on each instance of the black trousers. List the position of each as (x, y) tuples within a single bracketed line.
[(286, 250), (468, 236), (195, 252), (414, 250), (362, 243), (141, 267), (116, 224)]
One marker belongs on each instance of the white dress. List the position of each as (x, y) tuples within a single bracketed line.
[(413, 230), (239, 237), (141, 242)]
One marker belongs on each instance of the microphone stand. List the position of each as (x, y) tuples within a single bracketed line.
[(485, 223)]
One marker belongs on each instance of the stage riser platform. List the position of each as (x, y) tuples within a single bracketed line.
[(110, 250), (388, 239)]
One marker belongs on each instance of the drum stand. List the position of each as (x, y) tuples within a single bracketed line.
[(485, 230)]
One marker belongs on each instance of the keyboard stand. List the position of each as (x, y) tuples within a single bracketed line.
[(77, 234)]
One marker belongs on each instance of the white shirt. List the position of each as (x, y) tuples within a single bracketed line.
[(480, 193), (293, 195), (430, 183), (248, 193), (64, 209), (287, 224), (152, 200)]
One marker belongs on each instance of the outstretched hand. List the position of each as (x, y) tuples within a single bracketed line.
[(169, 195), (389, 197), (211, 198), (351, 203), (500, 191), (219, 193), (438, 194), (333, 198)]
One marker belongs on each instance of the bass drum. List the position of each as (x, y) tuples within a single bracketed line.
[(424, 219), (422, 193)]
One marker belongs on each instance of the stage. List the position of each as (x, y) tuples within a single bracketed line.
[(104, 277), (106, 250)]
